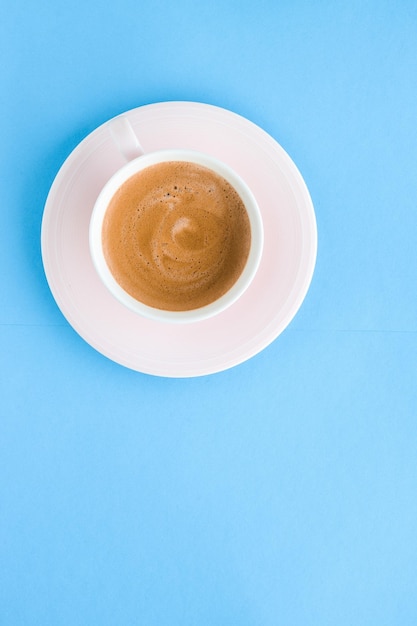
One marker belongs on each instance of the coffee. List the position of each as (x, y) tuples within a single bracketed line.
[(176, 236)]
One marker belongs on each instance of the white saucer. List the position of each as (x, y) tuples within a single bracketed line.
[(246, 327)]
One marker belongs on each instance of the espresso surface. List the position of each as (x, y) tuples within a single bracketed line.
[(176, 236)]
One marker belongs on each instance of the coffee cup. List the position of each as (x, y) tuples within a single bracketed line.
[(175, 235)]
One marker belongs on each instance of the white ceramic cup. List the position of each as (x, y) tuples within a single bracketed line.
[(128, 144)]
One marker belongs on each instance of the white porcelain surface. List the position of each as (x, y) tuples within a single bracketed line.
[(99, 211), (246, 327)]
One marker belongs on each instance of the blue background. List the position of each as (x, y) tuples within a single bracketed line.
[(282, 491)]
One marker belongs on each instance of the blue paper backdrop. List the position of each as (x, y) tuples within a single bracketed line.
[(282, 491)]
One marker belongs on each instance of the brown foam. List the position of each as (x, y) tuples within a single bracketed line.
[(176, 236)]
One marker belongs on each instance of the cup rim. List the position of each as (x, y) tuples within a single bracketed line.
[(142, 162)]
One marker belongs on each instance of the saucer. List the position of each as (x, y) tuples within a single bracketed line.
[(249, 325)]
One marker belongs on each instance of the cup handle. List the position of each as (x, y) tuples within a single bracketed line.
[(124, 137)]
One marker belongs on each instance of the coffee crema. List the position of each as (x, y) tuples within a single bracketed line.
[(176, 236)]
